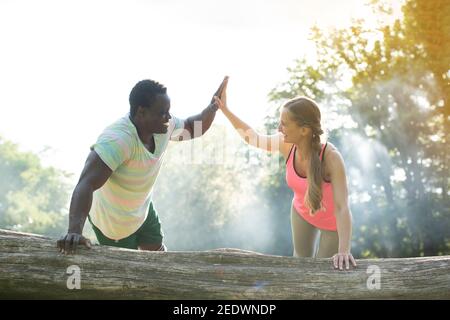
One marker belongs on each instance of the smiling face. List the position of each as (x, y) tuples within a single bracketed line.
[(292, 131), (155, 119)]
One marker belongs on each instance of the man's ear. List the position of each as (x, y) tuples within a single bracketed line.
[(140, 113)]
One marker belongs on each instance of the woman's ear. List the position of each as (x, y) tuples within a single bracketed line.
[(305, 131)]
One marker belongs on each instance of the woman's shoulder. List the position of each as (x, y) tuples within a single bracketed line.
[(332, 156), (330, 148), (285, 149), (334, 166)]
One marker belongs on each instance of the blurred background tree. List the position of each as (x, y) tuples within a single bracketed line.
[(32, 198), (393, 82)]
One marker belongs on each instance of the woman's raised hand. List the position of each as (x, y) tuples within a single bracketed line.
[(221, 96)]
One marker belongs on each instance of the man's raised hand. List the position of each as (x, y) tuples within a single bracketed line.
[(221, 90)]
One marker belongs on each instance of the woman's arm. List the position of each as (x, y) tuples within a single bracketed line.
[(335, 163), (271, 143)]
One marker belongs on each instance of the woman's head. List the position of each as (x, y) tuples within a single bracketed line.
[(300, 119), (300, 123)]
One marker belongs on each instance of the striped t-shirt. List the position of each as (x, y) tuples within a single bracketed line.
[(120, 206)]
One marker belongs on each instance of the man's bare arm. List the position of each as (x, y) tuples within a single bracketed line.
[(203, 119), (94, 175)]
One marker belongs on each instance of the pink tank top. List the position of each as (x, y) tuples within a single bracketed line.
[(322, 219)]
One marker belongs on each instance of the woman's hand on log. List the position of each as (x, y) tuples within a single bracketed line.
[(340, 258)]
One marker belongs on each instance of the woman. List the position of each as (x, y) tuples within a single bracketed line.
[(316, 174)]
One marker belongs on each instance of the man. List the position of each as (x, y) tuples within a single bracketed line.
[(114, 190)]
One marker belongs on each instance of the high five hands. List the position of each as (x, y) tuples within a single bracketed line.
[(220, 97)]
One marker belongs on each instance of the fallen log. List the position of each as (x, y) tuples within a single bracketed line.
[(32, 268)]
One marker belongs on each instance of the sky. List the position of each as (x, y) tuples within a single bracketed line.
[(67, 67)]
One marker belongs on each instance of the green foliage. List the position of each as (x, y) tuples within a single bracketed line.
[(398, 97), (32, 198)]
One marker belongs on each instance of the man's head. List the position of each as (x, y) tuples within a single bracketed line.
[(149, 106)]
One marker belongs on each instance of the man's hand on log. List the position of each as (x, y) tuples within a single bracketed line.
[(69, 243)]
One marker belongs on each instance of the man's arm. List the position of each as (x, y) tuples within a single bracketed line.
[(94, 175), (198, 124)]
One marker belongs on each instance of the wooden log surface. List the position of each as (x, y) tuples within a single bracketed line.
[(32, 268)]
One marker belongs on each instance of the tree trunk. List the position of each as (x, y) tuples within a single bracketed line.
[(32, 268)]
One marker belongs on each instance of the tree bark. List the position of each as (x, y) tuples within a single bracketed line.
[(32, 268)]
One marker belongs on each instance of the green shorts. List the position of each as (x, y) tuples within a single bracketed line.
[(149, 233)]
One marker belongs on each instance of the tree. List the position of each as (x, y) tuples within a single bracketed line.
[(33, 198), (385, 81)]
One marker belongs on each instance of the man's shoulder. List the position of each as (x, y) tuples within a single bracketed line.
[(176, 128), (122, 128)]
